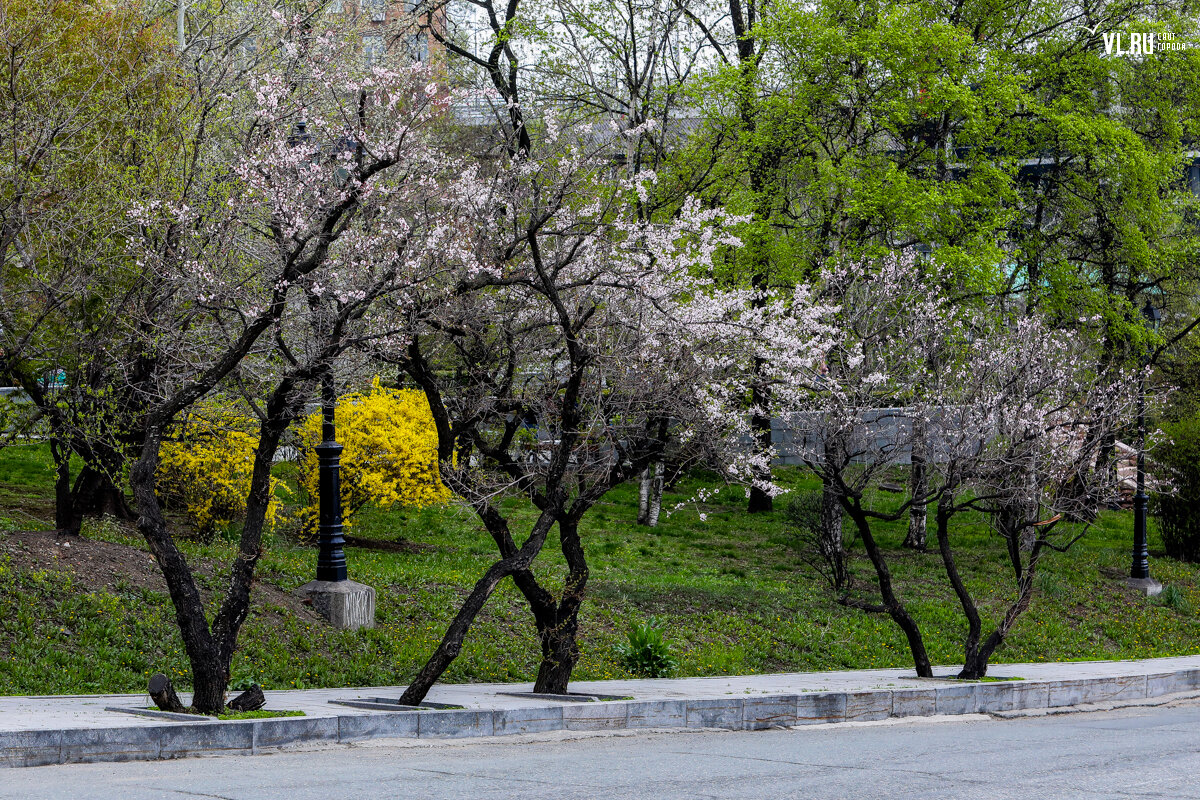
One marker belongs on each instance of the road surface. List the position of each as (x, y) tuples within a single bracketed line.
[(1130, 753)]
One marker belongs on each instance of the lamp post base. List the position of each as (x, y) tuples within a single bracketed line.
[(1148, 585), (345, 605)]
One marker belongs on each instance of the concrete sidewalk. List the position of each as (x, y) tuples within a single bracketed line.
[(69, 729)]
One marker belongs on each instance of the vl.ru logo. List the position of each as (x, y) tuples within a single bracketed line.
[(1140, 44), (1132, 43)]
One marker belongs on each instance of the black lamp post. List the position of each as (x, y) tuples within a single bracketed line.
[(1140, 570), (331, 558)]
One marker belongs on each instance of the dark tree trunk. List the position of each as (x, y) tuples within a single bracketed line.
[(833, 549), (96, 495), (895, 608), (560, 649), (451, 643), (250, 700), (164, 695), (62, 486), (208, 698), (974, 625), (760, 422), (918, 484)]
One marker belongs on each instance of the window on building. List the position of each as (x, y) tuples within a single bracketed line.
[(418, 47), (374, 49), (335, 7), (377, 9)]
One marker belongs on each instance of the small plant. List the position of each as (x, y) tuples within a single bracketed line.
[(1172, 597), (648, 654)]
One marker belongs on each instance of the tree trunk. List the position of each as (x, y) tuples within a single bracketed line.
[(560, 653), (163, 694), (62, 485), (644, 489), (96, 495), (970, 611), (451, 643), (918, 513), (830, 536), (656, 494), (760, 423), (208, 676), (250, 700), (560, 650), (891, 602)]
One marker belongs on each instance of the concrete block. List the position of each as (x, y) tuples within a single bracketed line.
[(355, 727), (291, 730), (769, 711), (1167, 683), (527, 720), (715, 713), (453, 724), (657, 714), (345, 605), (30, 748), (868, 706), (957, 699), (1193, 677), (177, 741), (1096, 690), (1029, 694), (595, 716), (914, 702), (817, 707), (994, 696), (114, 744)]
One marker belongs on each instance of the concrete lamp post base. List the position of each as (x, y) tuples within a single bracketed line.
[(1150, 586), (346, 605)]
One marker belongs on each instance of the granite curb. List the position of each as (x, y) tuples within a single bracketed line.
[(177, 739)]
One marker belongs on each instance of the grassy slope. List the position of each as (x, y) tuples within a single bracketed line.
[(736, 596)]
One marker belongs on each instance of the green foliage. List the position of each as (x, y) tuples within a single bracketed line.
[(206, 470), (647, 653), (1178, 511), (803, 511), (389, 452), (61, 635), (1172, 597)]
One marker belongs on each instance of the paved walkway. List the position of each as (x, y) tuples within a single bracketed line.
[(69, 712)]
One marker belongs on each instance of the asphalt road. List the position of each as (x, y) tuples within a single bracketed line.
[(1140, 752)]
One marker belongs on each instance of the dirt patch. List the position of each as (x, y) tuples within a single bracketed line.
[(389, 546), (101, 566)]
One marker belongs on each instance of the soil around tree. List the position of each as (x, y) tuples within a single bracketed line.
[(99, 566)]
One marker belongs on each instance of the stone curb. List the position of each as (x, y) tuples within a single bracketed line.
[(744, 712)]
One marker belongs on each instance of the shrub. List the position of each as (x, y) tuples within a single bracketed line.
[(648, 653), (1172, 597), (389, 452), (1178, 512), (205, 469)]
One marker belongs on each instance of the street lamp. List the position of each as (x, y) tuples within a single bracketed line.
[(1140, 570), (344, 603), (331, 557)]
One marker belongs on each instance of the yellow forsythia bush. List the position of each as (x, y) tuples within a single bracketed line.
[(389, 452), (205, 470)]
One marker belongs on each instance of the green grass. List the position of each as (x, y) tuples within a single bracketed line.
[(260, 714), (733, 592)]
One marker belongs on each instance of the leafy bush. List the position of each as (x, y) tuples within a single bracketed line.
[(648, 653), (1178, 512), (1172, 597), (205, 469), (389, 452), (823, 551)]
